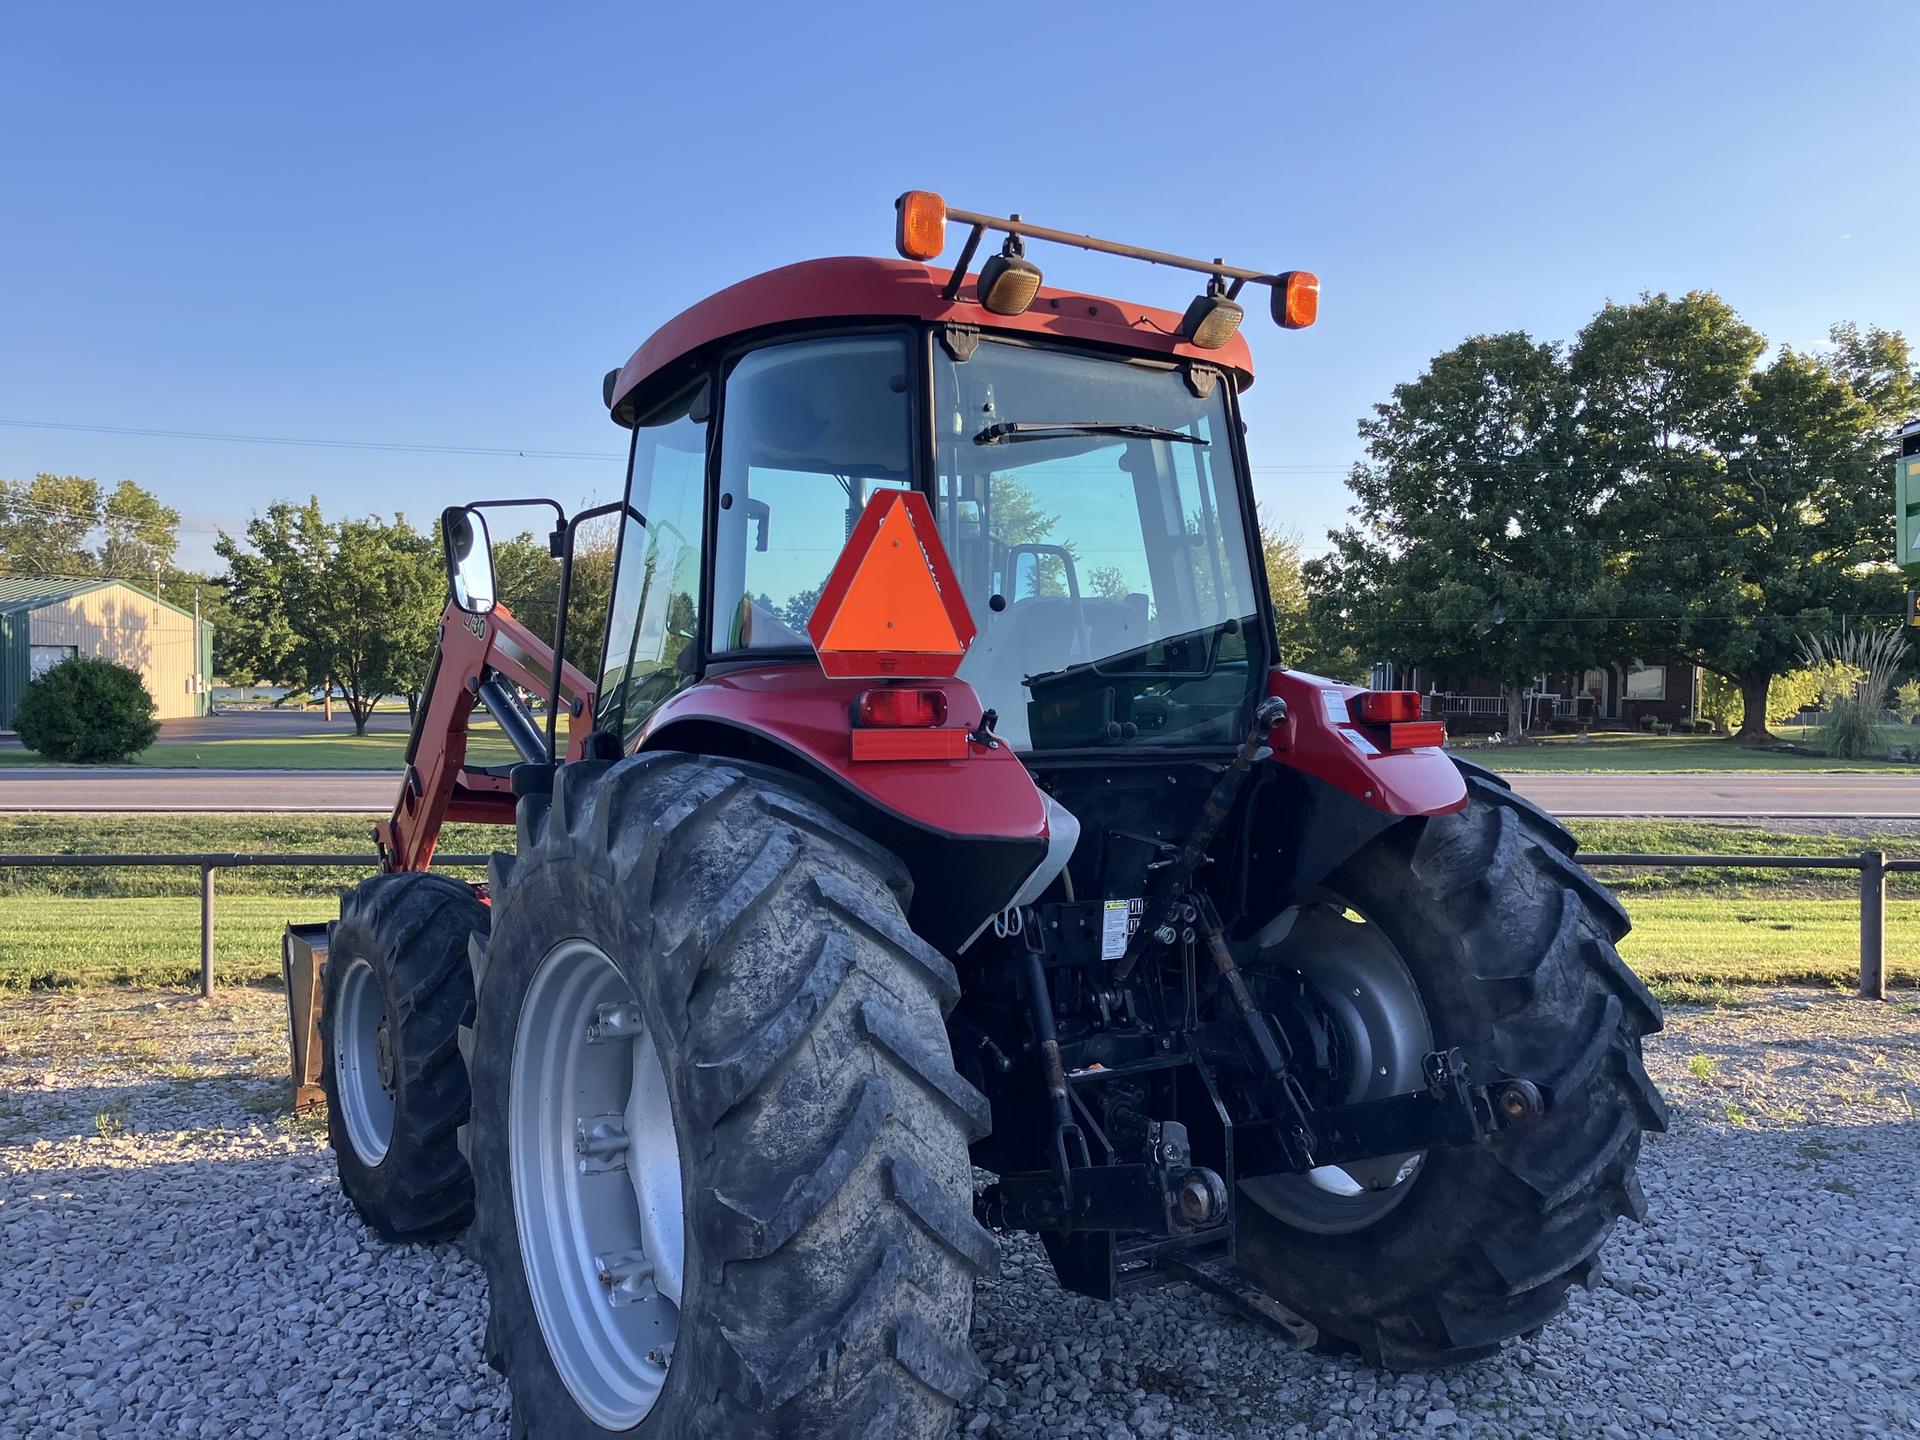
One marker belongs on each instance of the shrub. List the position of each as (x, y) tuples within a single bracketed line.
[(1850, 728), (1647, 723), (1907, 702), (88, 711)]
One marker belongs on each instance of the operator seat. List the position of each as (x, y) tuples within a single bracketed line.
[(1032, 636)]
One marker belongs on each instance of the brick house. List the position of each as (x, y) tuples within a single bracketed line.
[(1614, 696)]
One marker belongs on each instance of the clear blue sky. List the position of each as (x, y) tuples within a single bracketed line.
[(441, 224)]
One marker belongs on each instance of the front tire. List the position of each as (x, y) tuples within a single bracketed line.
[(710, 914), (1511, 945), (397, 989)]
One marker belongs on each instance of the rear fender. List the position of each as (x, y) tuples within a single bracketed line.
[(1327, 793), (1318, 738), (969, 830)]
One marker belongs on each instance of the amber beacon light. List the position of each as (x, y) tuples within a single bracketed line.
[(920, 225)]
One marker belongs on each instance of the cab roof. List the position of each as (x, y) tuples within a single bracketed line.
[(860, 288)]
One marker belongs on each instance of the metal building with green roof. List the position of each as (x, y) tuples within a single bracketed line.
[(45, 619)]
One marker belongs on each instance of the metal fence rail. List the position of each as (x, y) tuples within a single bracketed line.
[(1873, 867), (206, 862)]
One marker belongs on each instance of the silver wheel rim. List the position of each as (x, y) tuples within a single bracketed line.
[(596, 1184), (360, 1053), (1375, 1004)]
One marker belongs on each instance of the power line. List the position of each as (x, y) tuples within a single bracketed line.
[(405, 447)]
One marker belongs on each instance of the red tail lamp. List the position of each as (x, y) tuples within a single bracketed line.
[(1385, 707), (1416, 734), (1296, 299), (901, 708), (920, 225)]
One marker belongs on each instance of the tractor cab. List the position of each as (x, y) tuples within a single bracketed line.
[(1082, 460)]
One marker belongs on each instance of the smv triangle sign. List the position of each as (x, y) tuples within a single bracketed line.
[(892, 607)]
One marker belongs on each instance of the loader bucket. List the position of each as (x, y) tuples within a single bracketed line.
[(303, 959)]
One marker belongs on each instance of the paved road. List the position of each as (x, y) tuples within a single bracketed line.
[(259, 725), (31, 787), (1894, 795)]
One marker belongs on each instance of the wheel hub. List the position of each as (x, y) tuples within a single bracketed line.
[(1367, 999), (597, 1200), (363, 1063)]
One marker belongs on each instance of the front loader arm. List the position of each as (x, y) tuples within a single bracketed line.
[(480, 657)]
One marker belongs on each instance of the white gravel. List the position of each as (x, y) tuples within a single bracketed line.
[(176, 1260)]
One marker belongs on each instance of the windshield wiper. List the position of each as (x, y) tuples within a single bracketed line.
[(1009, 431)]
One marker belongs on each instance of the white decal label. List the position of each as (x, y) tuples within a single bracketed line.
[(1117, 922)]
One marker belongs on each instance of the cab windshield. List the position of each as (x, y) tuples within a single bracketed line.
[(1091, 512)]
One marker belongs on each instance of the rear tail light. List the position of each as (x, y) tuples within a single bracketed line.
[(1413, 735), (1386, 707), (900, 708)]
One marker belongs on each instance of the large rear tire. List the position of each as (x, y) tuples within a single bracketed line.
[(397, 990), (1511, 947), (790, 1086)]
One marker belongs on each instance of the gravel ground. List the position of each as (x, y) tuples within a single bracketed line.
[(176, 1259)]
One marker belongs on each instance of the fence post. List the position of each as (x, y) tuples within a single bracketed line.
[(206, 932), (1873, 924)]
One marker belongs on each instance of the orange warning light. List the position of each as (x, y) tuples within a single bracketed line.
[(892, 607)]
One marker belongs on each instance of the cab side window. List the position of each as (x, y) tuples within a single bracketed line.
[(811, 429), (651, 622)]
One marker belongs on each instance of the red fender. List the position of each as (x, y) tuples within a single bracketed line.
[(1319, 738), (970, 829), (986, 795)]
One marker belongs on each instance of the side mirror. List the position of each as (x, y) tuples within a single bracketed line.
[(469, 558)]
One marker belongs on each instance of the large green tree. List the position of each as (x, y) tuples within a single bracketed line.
[(66, 525), (1301, 644), (1473, 543), (47, 524), (316, 603), (1749, 502), (139, 534), (528, 581)]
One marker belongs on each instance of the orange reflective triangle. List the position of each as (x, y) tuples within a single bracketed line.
[(892, 605)]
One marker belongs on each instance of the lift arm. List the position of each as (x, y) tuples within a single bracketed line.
[(481, 658)]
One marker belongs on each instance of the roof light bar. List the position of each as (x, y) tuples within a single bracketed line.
[(1296, 292)]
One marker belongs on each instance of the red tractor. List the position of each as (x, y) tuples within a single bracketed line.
[(942, 851)]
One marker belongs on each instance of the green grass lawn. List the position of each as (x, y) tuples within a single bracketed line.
[(324, 750), (1608, 751), (1698, 933), (1685, 946)]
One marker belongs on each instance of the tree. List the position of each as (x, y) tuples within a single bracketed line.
[(1474, 540), (1301, 646), (527, 578), (318, 604), (140, 534), (48, 526), (1749, 505), (45, 525)]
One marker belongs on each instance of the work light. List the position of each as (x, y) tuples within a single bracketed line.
[(1211, 319), (1009, 281)]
